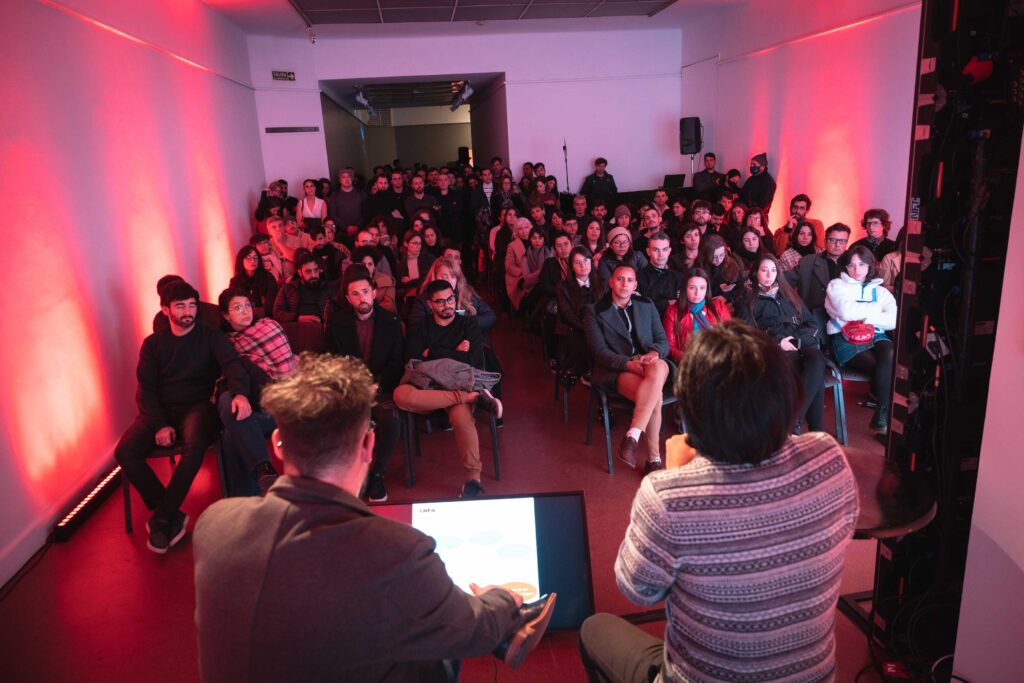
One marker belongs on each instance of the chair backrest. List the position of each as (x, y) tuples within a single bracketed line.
[(305, 336)]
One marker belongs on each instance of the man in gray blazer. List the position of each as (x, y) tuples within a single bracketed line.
[(814, 271), (630, 350), (308, 584)]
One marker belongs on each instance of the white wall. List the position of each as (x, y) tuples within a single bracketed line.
[(489, 125), (608, 88), (988, 643), (826, 89), (125, 164)]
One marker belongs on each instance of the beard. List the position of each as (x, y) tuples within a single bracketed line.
[(184, 321), (311, 282), (446, 313), (364, 308)]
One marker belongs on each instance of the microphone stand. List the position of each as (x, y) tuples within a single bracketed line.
[(565, 155)]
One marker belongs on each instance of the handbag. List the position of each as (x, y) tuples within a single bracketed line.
[(858, 332)]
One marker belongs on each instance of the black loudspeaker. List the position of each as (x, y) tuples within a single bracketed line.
[(463, 155), (689, 135)]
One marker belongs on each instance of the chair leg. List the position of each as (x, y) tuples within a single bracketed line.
[(494, 448), (125, 487), (558, 380), (410, 475), (219, 452), (590, 419), (839, 403), (607, 433), (565, 404)]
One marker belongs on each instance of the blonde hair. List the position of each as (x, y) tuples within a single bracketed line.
[(464, 292), (322, 410)]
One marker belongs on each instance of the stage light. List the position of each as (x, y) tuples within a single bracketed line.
[(73, 519)]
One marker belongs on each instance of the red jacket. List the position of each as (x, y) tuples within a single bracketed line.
[(679, 332)]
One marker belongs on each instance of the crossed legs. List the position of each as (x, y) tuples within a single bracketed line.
[(646, 393), (459, 406)]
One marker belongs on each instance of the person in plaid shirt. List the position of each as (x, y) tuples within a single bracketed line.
[(266, 355)]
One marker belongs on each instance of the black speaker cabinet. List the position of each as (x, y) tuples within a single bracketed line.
[(689, 135)]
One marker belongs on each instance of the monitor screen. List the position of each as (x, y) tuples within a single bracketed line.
[(531, 544)]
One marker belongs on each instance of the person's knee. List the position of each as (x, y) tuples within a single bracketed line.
[(660, 369), (594, 628)]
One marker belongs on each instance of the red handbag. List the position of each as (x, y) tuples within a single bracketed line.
[(858, 332)]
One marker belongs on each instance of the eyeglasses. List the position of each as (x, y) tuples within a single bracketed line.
[(836, 240), (872, 222), (239, 308), (620, 242), (251, 257), (443, 302)]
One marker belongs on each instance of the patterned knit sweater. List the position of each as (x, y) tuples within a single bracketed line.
[(750, 559)]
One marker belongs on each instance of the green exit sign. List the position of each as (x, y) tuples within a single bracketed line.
[(283, 75)]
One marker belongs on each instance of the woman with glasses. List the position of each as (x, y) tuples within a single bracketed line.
[(253, 277), (857, 296), (620, 252), (580, 289), (413, 264)]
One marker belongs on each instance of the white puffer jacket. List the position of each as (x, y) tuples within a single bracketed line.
[(847, 300)]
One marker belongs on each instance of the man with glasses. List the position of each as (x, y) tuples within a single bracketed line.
[(448, 334), (814, 271), (876, 224)]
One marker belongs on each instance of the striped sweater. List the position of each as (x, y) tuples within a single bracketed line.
[(749, 558)]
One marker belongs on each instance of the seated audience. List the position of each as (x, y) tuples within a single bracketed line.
[(803, 241), (758, 220), (650, 223), (593, 237), (303, 296), (876, 223), (734, 223), (707, 180), (813, 273), (307, 584), (718, 261), (798, 208), (467, 301), (620, 252), (750, 249), (178, 367), (413, 264), (700, 215), (370, 258), (890, 267), (445, 334), (857, 295), (656, 280), (630, 350), (523, 260), (695, 311), (771, 305), (333, 261), (578, 291), (690, 236), (748, 564), (272, 262), (358, 326), (266, 355), (432, 241), (312, 210), (206, 309), (259, 285)]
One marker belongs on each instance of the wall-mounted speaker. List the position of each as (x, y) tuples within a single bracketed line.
[(689, 135)]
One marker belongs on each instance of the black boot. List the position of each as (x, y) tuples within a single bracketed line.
[(880, 422)]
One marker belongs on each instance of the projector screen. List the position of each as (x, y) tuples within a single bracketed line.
[(532, 545)]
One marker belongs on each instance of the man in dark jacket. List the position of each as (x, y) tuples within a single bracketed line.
[(630, 349), (599, 184), (307, 584), (704, 182), (759, 190), (445, 334), (450, 201), (304, 295), (177, 370), (346, 204), (656, 280), (814, 271), (876, 224), (360, 328)]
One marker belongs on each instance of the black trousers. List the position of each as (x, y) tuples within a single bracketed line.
[(387, 430), (810, 363), (195, 429), (615, 651)]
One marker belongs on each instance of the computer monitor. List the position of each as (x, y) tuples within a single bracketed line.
[(674, 181), (532, 544)]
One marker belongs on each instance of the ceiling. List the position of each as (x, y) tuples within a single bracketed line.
[(406, 11)]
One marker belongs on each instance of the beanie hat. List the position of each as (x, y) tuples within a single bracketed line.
[(762, 159), (617, 232), (621, 210)]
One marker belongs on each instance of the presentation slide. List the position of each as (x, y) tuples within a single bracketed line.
[(486, 542)]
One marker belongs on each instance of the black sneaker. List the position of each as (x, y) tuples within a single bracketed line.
[(265, 475), (472, 489), (159, 534), (653, 466), (485, 401), (375, 491)]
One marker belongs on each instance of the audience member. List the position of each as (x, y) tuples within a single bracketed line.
[(268, 255), (418, 198), (620, 252), (758, 220), (312, 209), (207, 310), (803, 241), (707, 180), (759, 190), (445, 334), (656, 280), (813, 273), (798, 208), (734, 224), (467, 301), (414, 263), (690, 236), (178, 367), (630, 350), (450, 210), (369, 257), (857, 296), (578, 291), (749, 249), (432, 241), (358, 326), (347, 204), (718, 261), (303, 296), (695, 311), (733, 180), (770, 304), (650, 223), (259, 285), (876, 223), (600, 184), (526, 254), (374, 601), (726, 501), (593, 237)]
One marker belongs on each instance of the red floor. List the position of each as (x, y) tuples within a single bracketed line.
[(101, 607)]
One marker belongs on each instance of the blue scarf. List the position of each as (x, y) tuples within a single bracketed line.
[(700, 321)]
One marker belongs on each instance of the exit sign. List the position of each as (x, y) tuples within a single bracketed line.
[(283, 75)]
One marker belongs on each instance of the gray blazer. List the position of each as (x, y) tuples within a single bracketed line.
[(810, 279), (609, 340)]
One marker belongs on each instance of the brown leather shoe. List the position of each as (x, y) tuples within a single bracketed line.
[(627, 451), (534, 619)]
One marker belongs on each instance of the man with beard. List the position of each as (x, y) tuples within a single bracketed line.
[(700, 213), (656, 280), (360, 328), (178, 367), (303, 296), (447, 335), (346, 205), (650, 223)]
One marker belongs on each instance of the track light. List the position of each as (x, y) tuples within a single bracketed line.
[(463, 96)]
